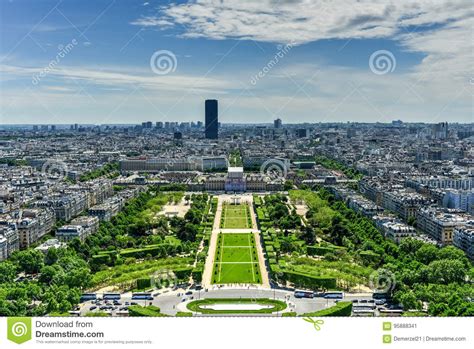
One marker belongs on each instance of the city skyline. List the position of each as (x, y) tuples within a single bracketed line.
[(314, 64)]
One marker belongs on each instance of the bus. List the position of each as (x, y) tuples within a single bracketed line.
[(390, 312), (363, 312), (380, 295), (88, 297), (334, 295), (304, 294), (111, 296), (142, 296)]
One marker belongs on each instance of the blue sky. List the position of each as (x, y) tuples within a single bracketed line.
[(299, 60)]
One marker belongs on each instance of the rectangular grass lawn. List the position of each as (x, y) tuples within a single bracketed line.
[(235, 217), (236, 260)]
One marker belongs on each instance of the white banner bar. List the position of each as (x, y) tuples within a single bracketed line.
[(237, 332)]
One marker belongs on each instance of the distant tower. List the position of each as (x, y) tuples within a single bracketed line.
[(440, 130), (212, 123), (277, 123)]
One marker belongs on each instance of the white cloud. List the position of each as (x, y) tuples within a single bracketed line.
[(441, 31), (118, 78), (304, 20), (153, 22)]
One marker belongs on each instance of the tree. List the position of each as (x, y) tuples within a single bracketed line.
[(80, 278), (453, 253), (48, 274), (308, 235), (193, 216), (7, 272), (51, 256), (427, 253), (30, 261), (409, 300), (188, 232), (446, 271)]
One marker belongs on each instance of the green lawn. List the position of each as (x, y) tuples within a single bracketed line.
[(235, 217), (236, 260)]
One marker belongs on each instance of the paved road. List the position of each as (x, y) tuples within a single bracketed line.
[(170, 303)]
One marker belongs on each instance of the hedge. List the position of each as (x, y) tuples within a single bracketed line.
[(370, 256), (152, 250), (183, 273), (101, 259), (150, 311), (318, 250), (143, 283), (340, 309), (308, 281), (197, 273)]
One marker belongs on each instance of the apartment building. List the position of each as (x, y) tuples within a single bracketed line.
[(404, 204), (3, 248), (66, 206), (80, 227), (463, 239), (90, 224), (459, 199), (439, 223), (108, 209), (362, 205), (9, 233), (69, 232)]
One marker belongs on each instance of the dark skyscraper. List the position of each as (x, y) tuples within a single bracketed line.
[(277, 123), (212, 123)]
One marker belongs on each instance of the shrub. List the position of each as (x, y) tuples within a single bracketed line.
[(308, 281), (150, 311), (143, 283), (340, 309)]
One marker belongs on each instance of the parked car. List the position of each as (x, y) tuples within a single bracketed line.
[(380, 301)]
